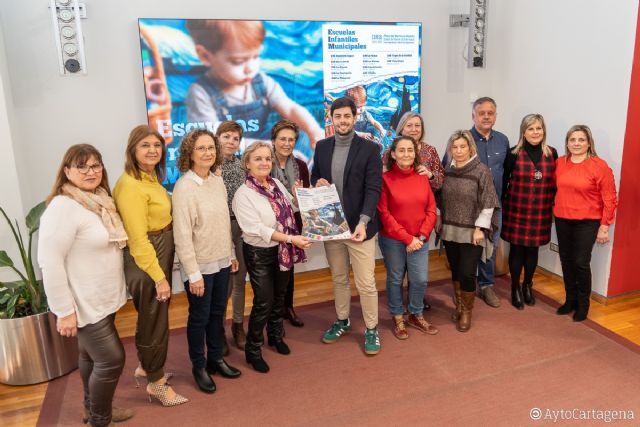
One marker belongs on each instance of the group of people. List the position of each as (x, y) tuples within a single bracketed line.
[(229, 216)]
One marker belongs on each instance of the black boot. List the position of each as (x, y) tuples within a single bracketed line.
[(527, 293), (292, 317), (203, 380), (280, 345), (582, 306), (516, 296), (258, 363), (224, 369), (566, 308)]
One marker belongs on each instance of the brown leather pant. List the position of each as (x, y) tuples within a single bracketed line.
[(101, 360), (152, 328)]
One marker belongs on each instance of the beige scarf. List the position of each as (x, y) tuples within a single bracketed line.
[(102, 205)]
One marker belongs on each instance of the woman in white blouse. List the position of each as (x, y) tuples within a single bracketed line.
[(262, 206), (202, 234), (80, 252)]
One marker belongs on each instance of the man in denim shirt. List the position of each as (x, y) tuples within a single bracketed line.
[(492, 150)]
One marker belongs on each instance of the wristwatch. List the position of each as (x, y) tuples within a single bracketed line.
[(422, 238)]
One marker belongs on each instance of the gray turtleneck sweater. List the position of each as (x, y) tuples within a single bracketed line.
[(338, 163)]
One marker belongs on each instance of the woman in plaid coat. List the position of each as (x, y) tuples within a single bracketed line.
[(527, 204)]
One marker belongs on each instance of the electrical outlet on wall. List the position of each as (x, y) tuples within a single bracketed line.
[(553, 247)]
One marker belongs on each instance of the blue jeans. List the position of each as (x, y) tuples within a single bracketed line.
[(206, 317), (487, 270), (397, 260)]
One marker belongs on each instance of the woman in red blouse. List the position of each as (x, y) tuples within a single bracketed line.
[(412, 125), (408, 214), (584, 208)]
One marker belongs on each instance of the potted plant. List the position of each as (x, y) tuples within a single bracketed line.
[(32, 350)]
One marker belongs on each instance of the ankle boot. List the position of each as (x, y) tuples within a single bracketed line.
[(527, 293), (239, 336), (566, 308), (582, 309), (464, 322), (516, 296), (203, 380), (292, 317), (457, 302)]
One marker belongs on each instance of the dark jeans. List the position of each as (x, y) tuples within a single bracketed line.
[(463, 259), (269, 286), (519, 257), (206, 318), (575, 243), (100, 360)]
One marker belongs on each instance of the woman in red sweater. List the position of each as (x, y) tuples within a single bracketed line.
[(584, 208), (408, 214)]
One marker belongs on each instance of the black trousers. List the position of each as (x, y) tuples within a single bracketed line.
[(463, 259), (100, 361), (206, 318), (288, 297), (269, 286), (575, 244), (522, 257)]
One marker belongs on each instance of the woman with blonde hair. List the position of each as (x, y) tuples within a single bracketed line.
[(202, 230), (470, 207), (80, 253), (145, 208), (584, 208), (528, 191), (271, 247)]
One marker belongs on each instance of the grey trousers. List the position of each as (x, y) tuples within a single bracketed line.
[(152, 328), (237, 280), (100, 361)]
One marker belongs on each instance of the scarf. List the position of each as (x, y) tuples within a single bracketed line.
[(289, 175), (288, 254), (102, 205)]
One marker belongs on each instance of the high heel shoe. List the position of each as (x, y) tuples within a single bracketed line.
[(159, 392), (118, 415), (137, 377)]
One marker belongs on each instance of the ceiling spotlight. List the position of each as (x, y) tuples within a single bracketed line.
[(67, 32)]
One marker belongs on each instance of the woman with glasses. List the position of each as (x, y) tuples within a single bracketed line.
[(80, 252), (271, 247), (145, 208), (291, 172), (202, 231)]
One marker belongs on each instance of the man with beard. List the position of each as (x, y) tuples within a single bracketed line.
[(353, 164)]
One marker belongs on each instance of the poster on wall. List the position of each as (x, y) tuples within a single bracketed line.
[(200, 72)]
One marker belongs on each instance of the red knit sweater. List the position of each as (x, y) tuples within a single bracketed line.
[(407, 207), (586, 190)]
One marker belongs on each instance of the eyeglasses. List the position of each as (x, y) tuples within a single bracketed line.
[(84, 169), (204, 149)]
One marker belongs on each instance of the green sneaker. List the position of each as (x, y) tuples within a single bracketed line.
[(336, 331), (371, 342)]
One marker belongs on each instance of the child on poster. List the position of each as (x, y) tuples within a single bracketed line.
[(363, 117), (234, 88)]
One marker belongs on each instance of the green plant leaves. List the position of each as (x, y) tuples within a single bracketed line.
[(33, 217), (5, 260)]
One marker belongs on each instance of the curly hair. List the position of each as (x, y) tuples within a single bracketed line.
[(187, 146), (392, 148)]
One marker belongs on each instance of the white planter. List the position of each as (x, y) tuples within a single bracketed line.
[(32, 351)]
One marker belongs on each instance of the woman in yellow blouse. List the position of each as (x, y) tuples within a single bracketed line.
[(145, 208)]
